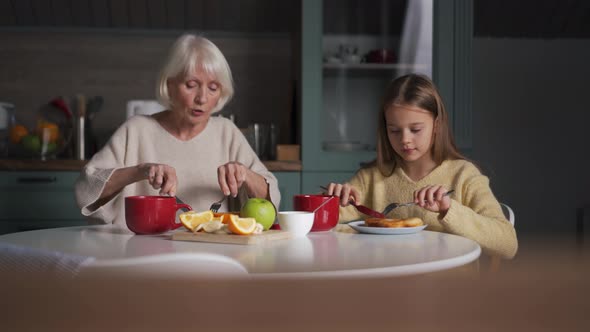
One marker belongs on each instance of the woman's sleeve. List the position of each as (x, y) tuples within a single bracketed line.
[(94, 176), (246, 155), (479, 217)]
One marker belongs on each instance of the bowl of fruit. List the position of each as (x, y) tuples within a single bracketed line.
[(47, 137), (44, 140)]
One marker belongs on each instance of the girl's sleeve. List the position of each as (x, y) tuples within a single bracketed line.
[(349, 213), (94, 176), (479, 217)]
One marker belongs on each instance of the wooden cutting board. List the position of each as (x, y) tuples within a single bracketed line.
[(270, 235)]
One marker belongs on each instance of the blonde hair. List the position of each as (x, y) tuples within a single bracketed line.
[(418, 91), (188, 53)]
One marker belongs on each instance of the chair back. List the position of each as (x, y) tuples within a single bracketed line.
[(177, 265), (508, 212)]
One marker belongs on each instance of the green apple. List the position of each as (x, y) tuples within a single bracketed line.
[(260, 209), (31, 143)]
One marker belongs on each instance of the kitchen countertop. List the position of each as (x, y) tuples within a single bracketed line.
[(76, 165)]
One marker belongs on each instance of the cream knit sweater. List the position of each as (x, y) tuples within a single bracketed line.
[(474, 213), (141, 139)]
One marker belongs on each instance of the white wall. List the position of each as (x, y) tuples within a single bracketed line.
[(531, 116)]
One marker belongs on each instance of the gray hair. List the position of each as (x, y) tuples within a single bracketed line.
[(187, 54)]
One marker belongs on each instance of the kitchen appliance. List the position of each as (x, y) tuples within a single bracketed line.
[(143, 107)]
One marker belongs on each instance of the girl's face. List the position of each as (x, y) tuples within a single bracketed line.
[(195, 96), (410, 130)]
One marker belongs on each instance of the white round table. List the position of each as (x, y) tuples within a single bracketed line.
[(319, 254)]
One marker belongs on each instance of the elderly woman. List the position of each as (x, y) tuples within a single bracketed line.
[(182, 150)]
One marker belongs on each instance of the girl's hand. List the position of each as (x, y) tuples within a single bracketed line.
[(346, 192), (433, 198), (231, 177), (160, 176)]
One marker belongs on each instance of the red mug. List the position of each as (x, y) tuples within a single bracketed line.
[(152, 214), (325, 217)]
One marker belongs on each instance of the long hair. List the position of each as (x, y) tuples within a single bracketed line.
[(417, 91)]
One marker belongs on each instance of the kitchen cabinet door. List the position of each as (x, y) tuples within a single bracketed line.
[(289, 185), (311, 181), (35, 200)]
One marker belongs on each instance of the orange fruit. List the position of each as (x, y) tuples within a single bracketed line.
[(241, 226), (17, 133), (224, 216), (48, 131), (192, 219)]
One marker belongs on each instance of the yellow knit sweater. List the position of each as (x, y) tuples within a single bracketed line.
[(474, 213)]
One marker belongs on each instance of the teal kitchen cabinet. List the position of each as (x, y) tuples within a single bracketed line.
[(289, 185), (312, 181), (36, 200), (342, 84)]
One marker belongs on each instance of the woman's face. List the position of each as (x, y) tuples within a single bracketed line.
[(195, 96), (410, 130)]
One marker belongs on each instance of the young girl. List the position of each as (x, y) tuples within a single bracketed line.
[(417, 160)]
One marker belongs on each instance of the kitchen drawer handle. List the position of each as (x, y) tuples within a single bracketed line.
[(37, 179)]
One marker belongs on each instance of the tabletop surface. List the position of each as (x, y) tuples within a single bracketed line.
[(328, 254)]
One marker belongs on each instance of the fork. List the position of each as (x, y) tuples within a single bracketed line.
[(215, 206), (392, 206)]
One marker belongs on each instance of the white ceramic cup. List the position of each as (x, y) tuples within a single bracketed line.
[(298, 223)]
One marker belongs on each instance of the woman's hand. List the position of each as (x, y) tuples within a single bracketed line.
[(161, 177), (233, 175), (346, 192), (433, 198)]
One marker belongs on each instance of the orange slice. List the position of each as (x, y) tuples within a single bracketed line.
[(241, 226), (224, 216), (192, 219)]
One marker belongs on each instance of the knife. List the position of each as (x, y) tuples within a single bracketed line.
[(363, 209), (370, 212)]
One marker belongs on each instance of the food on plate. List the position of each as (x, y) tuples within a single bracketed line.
[(260, 209), (413, 222), (393, 223)]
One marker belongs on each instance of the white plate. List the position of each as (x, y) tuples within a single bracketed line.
[(359, 227)]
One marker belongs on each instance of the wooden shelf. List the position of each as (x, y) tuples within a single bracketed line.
[(374, 66)]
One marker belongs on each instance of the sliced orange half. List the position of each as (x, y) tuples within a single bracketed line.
[(241, 226), (192, 219), (225, 216)]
